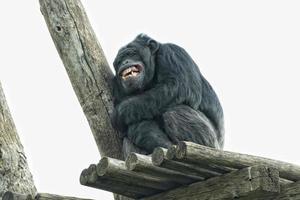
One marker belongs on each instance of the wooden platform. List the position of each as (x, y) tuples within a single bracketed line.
[(190, 171)]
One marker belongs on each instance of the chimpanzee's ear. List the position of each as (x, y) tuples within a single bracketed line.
[(153, 45)]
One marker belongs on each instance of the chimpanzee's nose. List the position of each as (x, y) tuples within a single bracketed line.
[(125, 62)]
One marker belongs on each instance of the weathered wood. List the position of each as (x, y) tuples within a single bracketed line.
[(171, 152), (16, 196), (195, 153), (249, 183), (46, 196), (289, 192), (14, 172), (84, 177), (143, 164), (171, 155), (89, 177), (116, 170), (159, 158), (87, 68), (40, 196)]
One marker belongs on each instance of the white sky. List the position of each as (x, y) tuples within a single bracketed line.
[(248, 50)]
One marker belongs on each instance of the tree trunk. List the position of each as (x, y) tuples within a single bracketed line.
[(88, 70), (14, 172)]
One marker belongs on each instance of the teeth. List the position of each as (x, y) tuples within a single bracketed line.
[(126, 71), (129, 72), (134, 73)]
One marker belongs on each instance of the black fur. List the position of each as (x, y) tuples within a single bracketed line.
[(168, 101)]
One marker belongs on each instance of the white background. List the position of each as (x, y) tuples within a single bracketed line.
[(248, 50)]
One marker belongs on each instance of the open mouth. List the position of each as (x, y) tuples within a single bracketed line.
[(131, 71)]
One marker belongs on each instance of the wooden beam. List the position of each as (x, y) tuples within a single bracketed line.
[(289, 192), (87, 68), (16, 196), (14, 171), (250, 183), (116, 170), (159, 158), (89, 177), (40, 196), (198, 154), (171, 155), (46, 196), (143, 164)]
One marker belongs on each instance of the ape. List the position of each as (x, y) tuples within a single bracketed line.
[(160, 97)]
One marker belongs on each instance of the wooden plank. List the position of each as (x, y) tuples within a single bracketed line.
[(198, 154), (249, 183)]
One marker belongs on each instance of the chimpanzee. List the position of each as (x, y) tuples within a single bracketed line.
[(160, 97)]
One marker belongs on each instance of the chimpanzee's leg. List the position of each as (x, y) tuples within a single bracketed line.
[(147, 135), (182, 123)]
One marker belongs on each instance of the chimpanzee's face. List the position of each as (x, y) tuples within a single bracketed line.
[(134, 66)]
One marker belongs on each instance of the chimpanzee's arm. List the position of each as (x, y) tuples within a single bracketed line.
[(147, 105)]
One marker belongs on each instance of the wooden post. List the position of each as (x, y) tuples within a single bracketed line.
[(88, 71), (14, 172), (87, 68)]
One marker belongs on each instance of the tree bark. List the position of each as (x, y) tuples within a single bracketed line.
[(87, 68), (289, 192), (88, 71), (14, 172)]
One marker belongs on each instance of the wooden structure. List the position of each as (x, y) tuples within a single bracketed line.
[(185, 171), (191, 171), (39, 196), (195, 172)]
